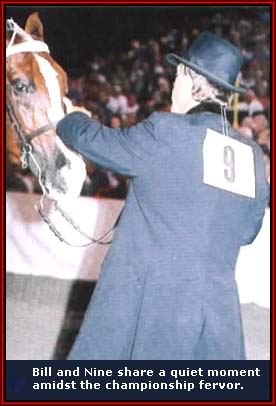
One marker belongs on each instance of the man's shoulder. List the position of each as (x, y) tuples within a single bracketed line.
[(168, 117)]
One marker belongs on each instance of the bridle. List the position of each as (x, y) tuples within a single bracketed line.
[(27, 154), (26, 139), (30, 45)]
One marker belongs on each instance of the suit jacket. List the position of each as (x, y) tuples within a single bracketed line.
[(167, 288)]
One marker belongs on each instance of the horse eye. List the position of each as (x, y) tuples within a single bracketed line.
[(21, 87)]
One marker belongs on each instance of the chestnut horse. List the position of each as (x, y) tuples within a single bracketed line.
[(35, 101), (35, 88)]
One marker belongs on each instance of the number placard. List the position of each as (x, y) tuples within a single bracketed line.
[(228, 164)]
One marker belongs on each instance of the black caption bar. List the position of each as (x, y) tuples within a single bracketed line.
[(138, 380)]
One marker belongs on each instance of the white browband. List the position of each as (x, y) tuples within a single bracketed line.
[(30, 45)]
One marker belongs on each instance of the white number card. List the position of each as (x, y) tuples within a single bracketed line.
[(228, 164)]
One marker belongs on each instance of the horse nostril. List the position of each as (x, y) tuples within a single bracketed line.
[(61, 161)]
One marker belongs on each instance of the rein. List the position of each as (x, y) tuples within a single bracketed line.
[(25, 140), (52, 227)]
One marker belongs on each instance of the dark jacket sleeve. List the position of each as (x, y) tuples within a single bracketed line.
[(125, 151)]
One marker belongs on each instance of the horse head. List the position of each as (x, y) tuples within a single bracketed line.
[(35, 87)]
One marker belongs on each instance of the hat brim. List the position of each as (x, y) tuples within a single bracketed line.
[(175, 60)]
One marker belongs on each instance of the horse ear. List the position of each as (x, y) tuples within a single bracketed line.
[(34, 27)]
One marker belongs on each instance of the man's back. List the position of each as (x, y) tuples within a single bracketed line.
[(169, 273), (180, 207)]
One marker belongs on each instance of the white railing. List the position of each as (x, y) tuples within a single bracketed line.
[(32, 249)]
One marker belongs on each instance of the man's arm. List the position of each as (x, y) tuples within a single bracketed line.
[(125, 151)]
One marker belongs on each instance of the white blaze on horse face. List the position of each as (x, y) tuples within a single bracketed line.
[(55, 111), (74, 175)]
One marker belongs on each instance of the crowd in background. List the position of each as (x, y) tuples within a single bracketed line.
[(121, 89)]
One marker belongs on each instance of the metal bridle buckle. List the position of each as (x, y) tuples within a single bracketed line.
[(26, 150)]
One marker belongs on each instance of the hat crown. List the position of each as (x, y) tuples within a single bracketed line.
[(216, 55), (213, 57)]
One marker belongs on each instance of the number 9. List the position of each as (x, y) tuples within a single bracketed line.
[(229, 161)]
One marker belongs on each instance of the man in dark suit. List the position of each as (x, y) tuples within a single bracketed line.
[(197, 193)]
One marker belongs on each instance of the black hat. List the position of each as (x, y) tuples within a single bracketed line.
[(212, 57)]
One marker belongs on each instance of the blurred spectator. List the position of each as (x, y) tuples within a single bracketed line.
[(266, 153), (117, 102), (251, 103), (75, 93), (116, 121), (260, 123), (132, 105), (246, 127), (130, 119), (262, 91), (263, 137)]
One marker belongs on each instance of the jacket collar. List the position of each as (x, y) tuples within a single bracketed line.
[(205, 107)]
